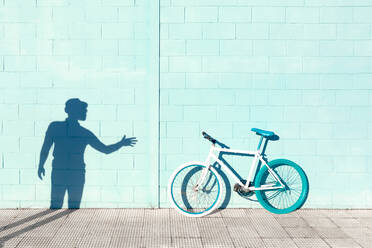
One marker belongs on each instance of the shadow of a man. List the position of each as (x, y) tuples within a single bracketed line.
[(70, 141)]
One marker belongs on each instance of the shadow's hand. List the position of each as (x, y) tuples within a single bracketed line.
[(41, 172), (128, 141)]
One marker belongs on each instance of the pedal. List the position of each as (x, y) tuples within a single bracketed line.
[(236, 187)]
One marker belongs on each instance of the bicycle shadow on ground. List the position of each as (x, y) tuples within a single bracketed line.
[(31, 226)]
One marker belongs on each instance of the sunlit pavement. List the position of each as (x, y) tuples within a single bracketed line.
[(167, 228)]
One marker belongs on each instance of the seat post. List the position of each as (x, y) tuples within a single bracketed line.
[(260, 143)]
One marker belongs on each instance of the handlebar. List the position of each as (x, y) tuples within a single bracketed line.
[(208, 137)]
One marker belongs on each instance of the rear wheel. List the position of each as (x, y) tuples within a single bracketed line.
[(187, 198), (289, 198)]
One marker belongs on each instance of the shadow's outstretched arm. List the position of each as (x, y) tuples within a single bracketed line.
[(107, 149)]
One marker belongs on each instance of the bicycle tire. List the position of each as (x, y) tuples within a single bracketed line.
[(288, 199), (185, 199)]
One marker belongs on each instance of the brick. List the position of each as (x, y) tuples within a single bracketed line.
[(352, 97), (18, 3), (201, 3), (302, 15), (164, 64), (269, 81), (132, 14), (287, 31), (86, 63), (116, 194), (9, 144), (9, 80), (18, 128), (30, 14), (185, 31), (300, 113), (252, 97), (52, 2), (117, 96), (201, 14), (185, 64), (172, 80), (202, 47), (336, 15), (171, 113), (219, 31), (117, 31), (172, 48), (267, 113), (20, 96), (235, 14), (189, 129), (9, 47), (102, 47), (172, 15), (335, 81), (236, 47), (141, 31), (320, 31), (317, 131), (20, 63), (349, 131), (302, 48), (118, 2), (269, 48), (234, 113), (198, 97), (235, 64), (171, 145), (101, 177), (353, 31), (336, 3), (18, 192), (102, 14), (130, 112), (302, 81), (205, 113), (9, 176), (362, 14), (252, 31), (336, 48), (84, 31), (164, 32), (318, 98), (285, 97), (69, 47), (36, 47), (202, 80), (270, 3), (362, 81), (336, 65), (9, 111), (71, 13), (52, 31), (268, 14), (17, 31), (363, 48), (285, 64)]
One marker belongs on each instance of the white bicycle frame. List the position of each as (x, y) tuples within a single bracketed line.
[(252, 172)]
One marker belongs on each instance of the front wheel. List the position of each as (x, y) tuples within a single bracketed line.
[(189, 198), (289, 198)]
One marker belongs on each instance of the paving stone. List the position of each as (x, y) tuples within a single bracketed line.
[(310, 243), (319, 222), (279, 243), (342, 243), (292, 222), (346, 222), (330, 232), (187, 242), (248, 242), (301, 232)]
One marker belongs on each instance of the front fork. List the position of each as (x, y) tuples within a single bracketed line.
[(205, 170)]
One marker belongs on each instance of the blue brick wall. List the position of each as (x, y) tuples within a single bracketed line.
[(100, 52), (302, 68)]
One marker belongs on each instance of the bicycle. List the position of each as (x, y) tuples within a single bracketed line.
[(281, 186)]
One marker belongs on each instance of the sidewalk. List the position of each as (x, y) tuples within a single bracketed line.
[(167, 228)]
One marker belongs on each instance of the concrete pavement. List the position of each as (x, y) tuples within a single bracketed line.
[(167, 228)]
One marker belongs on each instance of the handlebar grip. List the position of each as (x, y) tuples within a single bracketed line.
[(208, 137)]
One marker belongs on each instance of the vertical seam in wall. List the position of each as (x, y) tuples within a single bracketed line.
[(159, 92)]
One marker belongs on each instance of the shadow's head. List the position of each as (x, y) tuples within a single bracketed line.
[(76, 109)]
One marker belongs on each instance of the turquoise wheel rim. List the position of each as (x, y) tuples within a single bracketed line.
[(292, 197), (186, 198)]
